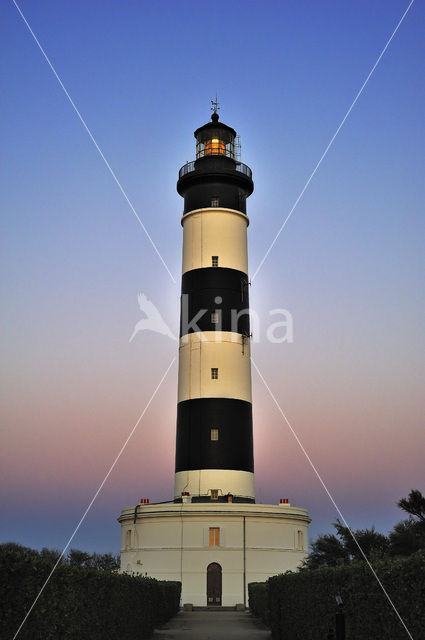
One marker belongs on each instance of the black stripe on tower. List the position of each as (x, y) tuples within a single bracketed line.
[(215, 177), (229, 196), (201, 287), (234, 447)]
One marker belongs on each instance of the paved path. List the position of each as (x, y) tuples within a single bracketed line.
[(213, 625)]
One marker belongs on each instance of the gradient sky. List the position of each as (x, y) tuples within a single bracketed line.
[(349, 265)]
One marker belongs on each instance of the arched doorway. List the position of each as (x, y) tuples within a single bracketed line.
[(214, 585)]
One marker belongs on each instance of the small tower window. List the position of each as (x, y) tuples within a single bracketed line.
[(214, 434), (214, 318), (214, 537), (214, 261), (215, 202), (214, 373), (214, 494)]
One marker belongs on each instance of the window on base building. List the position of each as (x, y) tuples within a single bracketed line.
[(300, 540), (215, 202), (214, 537), (128, 539), (214, 373), (214, 261), (214, 494), (214, 434)]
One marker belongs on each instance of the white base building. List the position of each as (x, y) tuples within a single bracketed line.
[(214, 550)]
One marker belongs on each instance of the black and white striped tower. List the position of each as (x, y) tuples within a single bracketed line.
[(214, 448)]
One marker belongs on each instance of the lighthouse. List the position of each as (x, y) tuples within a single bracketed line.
[(212, 535), (214, 444)]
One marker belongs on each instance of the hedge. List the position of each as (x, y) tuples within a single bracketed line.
[(78, 603), (302, 605), (169, 603), (258, 600)]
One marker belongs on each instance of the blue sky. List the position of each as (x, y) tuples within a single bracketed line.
[(348, 265)]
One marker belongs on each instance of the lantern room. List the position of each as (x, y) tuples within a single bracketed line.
[(215, 139), (217, 178)]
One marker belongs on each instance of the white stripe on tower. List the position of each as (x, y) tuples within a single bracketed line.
[(215, 232)]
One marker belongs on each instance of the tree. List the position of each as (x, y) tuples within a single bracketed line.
[(105, 562), (50, 555), (98, 561), (77, 558), (414, 505), (373, 544), (408, 536), (330, 550), (15, 547), (326, 551), (405, 539)]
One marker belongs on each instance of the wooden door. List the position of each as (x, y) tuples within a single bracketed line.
[(214, 585)]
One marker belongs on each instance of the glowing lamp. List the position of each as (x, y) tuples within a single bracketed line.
[(215, 146)]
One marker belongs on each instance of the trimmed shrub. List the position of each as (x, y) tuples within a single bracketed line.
[(258, 600), (170, 600), (302, 605), (79, 603)]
